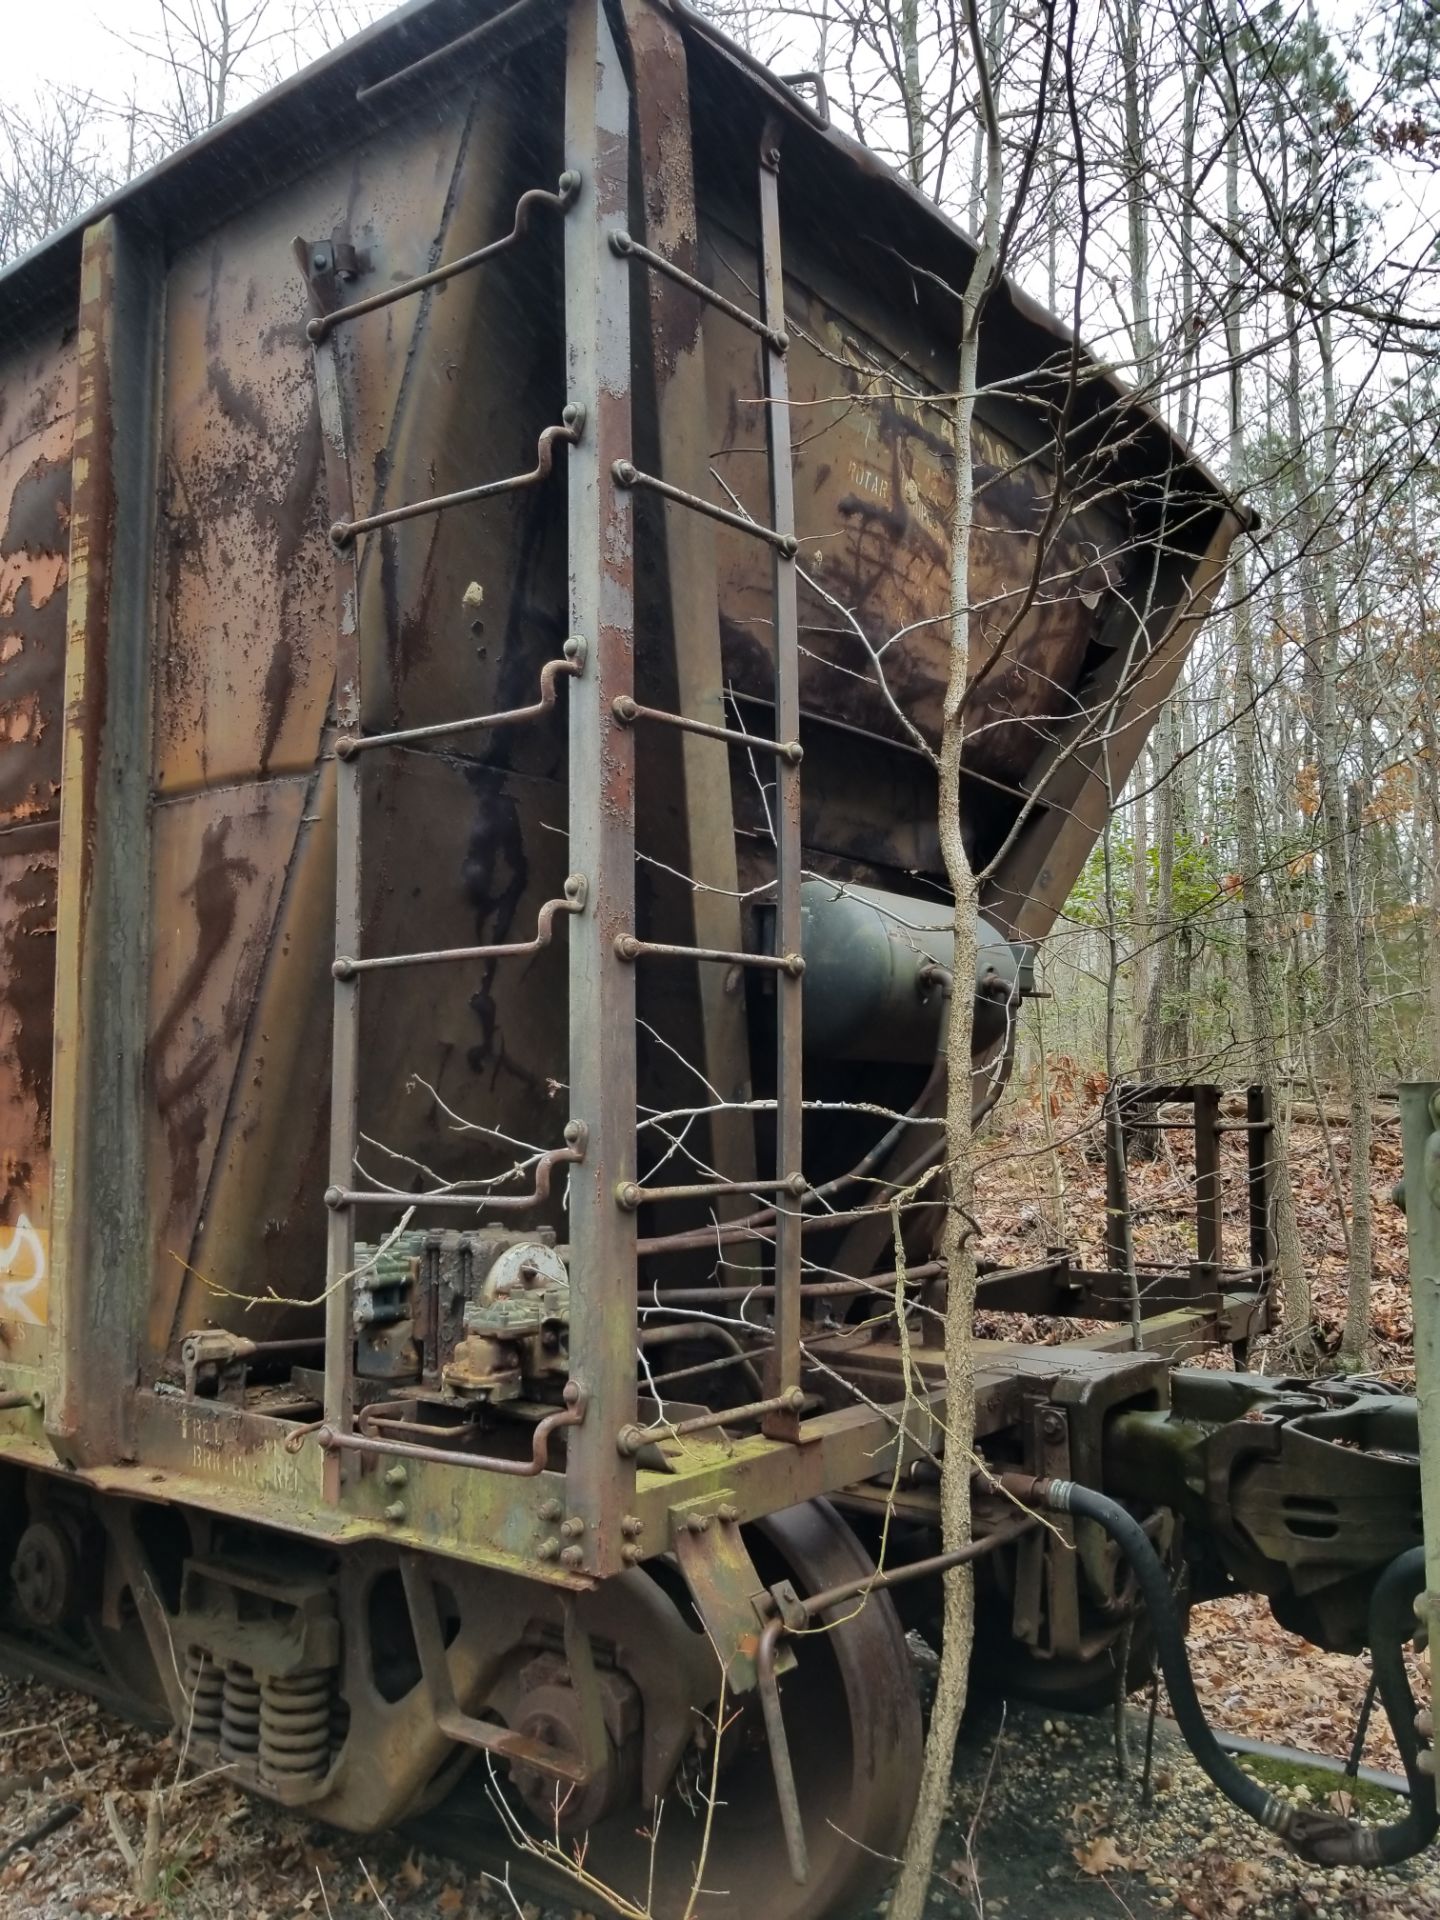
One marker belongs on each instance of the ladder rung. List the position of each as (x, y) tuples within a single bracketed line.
[(630, 1194), (346, 968), (571, 427), (629, 249), (628, 711), (338, 1199), (324, 323), (626, 474), (349, 744), (627, 947)]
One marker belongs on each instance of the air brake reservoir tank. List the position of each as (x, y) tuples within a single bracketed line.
[(877, 971)]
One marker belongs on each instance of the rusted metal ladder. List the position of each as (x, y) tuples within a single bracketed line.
[(781, 1408), (323, 266), (599, 898)]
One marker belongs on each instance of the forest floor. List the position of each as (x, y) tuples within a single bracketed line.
[(1042, 1827)]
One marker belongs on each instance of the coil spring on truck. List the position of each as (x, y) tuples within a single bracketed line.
[(295, 1713), (204, 1689), (240, 1714)]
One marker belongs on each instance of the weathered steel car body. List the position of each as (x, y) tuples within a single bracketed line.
[(474, 622)]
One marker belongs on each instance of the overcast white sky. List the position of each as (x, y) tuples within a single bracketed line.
[(89, 46), (74, 41)]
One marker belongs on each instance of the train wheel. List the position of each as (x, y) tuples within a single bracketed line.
[(853, 1724)]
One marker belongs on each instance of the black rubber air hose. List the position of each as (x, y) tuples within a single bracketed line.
[(1326, 1839)]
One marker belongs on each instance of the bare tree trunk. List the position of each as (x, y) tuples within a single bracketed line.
[(1165, 1034), (1165, 1030), (979, 163), (1118, 1237), (1141, 933), (1429, 784), (1353, 1016), (1346, 897), (914, 104), (1292, 1280), (1195, 71), (1136, 204), (1059, 1226), (956, 1251)]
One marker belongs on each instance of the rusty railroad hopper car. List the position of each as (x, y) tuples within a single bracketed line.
[(474, 954)]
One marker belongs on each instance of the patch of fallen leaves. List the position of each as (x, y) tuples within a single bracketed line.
[(224, 1854), (1102, 1855), (1256, 1679), (1015, 1184)]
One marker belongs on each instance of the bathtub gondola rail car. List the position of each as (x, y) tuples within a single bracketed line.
[(467, 907)]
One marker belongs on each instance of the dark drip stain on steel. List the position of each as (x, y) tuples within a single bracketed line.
[(275, 695), (414, 626), (236, 402), (296, 518), (214, 894), (27, 969), (874, 559), (296, 515), (495, 874)]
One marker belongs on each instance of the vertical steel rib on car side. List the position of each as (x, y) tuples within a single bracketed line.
[(599, 1481), (339, 1384), (783, 1374)]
